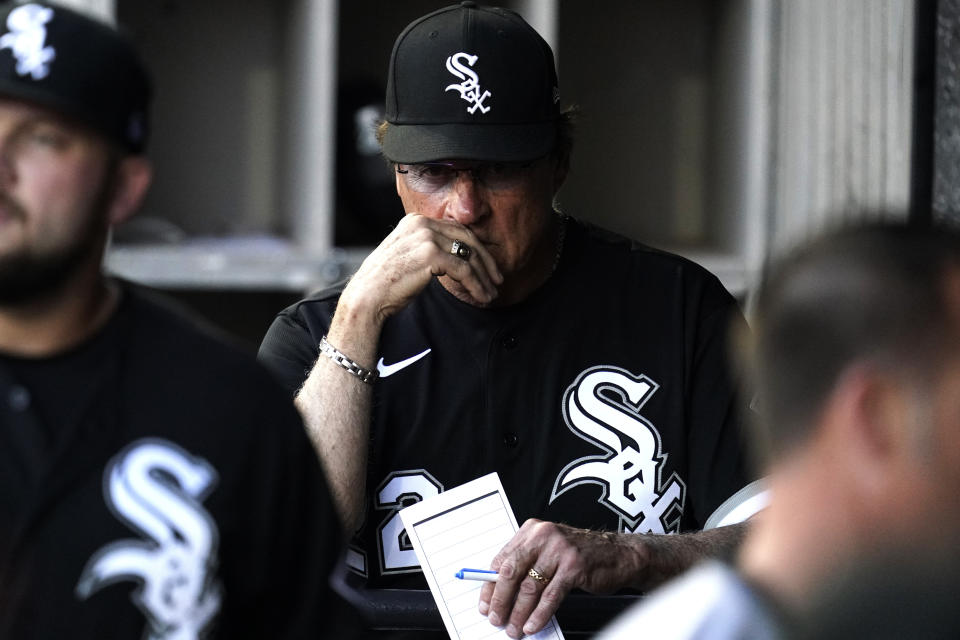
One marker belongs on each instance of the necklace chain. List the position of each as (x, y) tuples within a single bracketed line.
[(560, 239)]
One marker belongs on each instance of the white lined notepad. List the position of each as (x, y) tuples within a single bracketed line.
[(464, 527)]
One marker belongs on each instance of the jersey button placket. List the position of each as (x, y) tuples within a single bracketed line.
[(509, 342), (18, 398)]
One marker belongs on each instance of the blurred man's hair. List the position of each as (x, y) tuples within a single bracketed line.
[(873, 295)]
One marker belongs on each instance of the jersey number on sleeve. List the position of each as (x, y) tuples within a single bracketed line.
[(401, 489)]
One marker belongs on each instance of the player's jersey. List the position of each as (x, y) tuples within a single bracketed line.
[(604, 400), (155, 483), (715, 600)]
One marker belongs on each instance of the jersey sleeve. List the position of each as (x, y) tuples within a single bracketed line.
[(289, 351), (720, 464)]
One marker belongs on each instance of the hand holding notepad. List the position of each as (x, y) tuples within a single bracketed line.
[(461, 528)]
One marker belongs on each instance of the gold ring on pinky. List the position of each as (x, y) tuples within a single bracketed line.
[(461, 249), (539, 577)]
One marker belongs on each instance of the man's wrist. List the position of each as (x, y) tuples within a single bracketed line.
[(352, 338), (359, 312), (369, 376), (637, 555)]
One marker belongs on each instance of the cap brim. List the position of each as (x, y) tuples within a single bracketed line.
[(41, 96), (413, 143)]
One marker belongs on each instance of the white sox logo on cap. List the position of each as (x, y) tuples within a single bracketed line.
[(26, 40), (470, 87), (486, 57)]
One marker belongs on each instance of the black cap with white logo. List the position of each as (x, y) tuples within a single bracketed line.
[(77, 66), (473, 83)]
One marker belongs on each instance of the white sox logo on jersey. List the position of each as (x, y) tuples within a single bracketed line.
[(603, 407), (470, 87), (156, 488), (26, 40)]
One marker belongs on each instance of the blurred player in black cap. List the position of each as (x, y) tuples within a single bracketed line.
[(491, 332), (154, 482)]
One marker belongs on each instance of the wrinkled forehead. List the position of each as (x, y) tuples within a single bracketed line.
[(464, 163)]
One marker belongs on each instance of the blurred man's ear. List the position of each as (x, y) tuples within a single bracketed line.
[(134, 173), (873, 414)]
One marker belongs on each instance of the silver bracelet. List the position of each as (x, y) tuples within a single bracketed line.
[(365, 375)]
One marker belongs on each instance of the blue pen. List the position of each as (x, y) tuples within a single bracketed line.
[(484, 575)]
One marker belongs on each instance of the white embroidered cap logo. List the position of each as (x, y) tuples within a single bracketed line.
[(469, 89), (26, 37)]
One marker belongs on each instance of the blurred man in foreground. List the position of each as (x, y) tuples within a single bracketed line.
[(857, 361)]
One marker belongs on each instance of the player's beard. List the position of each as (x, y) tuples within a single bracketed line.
[(27, 276)]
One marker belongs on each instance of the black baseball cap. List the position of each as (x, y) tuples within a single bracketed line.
[(472, 83), (77, 66)]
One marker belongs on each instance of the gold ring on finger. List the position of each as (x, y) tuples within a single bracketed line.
[(461, 249), (539, 577)]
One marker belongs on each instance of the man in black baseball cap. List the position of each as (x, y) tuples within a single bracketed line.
[(80, 68), (491, 332), (154, 482), (501, 95)]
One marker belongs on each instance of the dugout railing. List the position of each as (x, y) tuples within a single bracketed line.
[(580, 614)]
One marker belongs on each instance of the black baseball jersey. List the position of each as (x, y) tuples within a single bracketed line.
[(603, 400), (155, 482)]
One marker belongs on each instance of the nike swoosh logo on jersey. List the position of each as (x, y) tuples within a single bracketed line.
[(390, 369)]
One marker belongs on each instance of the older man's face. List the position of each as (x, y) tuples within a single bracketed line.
[(508, 207)]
